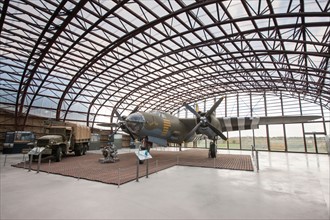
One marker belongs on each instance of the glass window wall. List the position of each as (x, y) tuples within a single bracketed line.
[(298, 137)]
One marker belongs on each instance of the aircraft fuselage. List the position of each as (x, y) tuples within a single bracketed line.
[(157, 126)]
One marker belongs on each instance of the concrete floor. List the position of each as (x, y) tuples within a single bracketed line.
[(288, 186)]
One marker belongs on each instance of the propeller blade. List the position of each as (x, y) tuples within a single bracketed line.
[(108, 124), (122, 122), (135, 109), (116, 130), (214, 107), (217, 131), (193, 130), (118, 115), (192, 110), (125, 129)]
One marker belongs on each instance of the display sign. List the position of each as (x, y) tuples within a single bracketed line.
[(36, 150), (143, 155)]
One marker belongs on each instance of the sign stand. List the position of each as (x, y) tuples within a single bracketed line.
[(137, 169), (147, 174), (37, 151), (142, 155)]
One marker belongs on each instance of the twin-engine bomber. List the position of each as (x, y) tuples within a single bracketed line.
[(163, 128)]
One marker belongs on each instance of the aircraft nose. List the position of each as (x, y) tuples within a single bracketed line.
[(135, 122)]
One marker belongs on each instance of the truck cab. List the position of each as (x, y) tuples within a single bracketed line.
[(15, 141)]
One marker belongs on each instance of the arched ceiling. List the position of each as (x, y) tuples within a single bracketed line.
[(81, 59)]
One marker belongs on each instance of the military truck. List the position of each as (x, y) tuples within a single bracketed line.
[(16, 141), (62, 138)]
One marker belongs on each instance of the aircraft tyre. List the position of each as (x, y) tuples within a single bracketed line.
[(213, 150)]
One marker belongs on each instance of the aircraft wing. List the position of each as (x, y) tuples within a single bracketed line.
[(246, 123), (286, 119)]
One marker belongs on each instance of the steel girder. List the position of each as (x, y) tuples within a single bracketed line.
[(81, 59)]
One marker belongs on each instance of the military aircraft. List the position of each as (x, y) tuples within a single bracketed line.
[(163, 128)]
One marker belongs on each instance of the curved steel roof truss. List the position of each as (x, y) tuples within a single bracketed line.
[(91, 57)]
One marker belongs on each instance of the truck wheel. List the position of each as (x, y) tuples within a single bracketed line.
[(84, 149), (58, 156), (78, 151)]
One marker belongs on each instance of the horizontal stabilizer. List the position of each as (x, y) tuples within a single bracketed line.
[(286, 119)]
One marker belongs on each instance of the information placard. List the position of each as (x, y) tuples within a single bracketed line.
[(36, 150), (143, 155)]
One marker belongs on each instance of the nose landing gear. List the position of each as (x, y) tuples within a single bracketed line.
[(213, 149)]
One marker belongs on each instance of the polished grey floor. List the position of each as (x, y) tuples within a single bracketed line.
[(287, 186)]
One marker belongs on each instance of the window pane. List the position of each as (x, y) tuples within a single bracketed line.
[(295, 141), (276, 138)]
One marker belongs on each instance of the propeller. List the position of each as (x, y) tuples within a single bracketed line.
[(204, 119), (121, 123)]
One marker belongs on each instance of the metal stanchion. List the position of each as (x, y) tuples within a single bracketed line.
[(156, 166), (147, 169), (39, 161), (24, 162), (253, 149), (30, 164), (48, 166), (257, 160), (137, 169), (214, 162), (118, 177), (4, 164), (78, 176)]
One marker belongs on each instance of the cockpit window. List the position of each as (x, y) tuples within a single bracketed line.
[(135, 122)]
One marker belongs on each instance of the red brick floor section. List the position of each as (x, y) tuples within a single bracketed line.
[(88, 166)]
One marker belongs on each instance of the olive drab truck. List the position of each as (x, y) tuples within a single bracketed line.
[(62, 138)]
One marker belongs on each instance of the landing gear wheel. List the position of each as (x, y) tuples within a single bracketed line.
[(58, 156), (213, 150)]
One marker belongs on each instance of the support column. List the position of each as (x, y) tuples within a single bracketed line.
[(323, 118), (315, 143), (302, 124), (267, 127), (239, 132), (284, 130), (227, 142), (251, 114)]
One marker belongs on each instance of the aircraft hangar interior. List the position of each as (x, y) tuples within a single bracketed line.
[(164, 109)]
